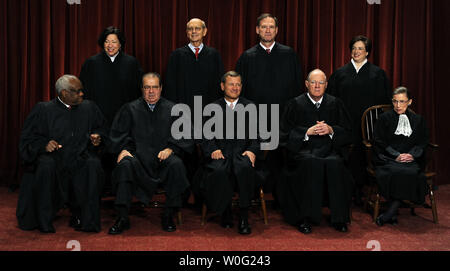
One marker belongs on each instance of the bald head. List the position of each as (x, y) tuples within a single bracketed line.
[(316, 71), (316, 83), (196, 21)]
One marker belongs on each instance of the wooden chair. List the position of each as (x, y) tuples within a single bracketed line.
[(373, 198)]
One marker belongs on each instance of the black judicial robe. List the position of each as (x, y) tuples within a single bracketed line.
[(223, 177), (401, 181), (316, 165), (270, 78), (359, 91), (187, 76), (52, 177), (144, 133), (111, 84)]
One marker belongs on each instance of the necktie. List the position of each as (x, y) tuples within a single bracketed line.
[(196, 52), (317, 105), (268, 51), (231, 106), (152, 107)]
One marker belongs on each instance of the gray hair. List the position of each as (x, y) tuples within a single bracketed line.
[(196, 19), (316, 70), (229, 74), (64, 82)]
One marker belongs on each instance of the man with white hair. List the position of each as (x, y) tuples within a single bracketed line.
[(314, 129), (59, 145)]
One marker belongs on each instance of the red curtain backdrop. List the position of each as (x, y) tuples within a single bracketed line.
[(42, 40)]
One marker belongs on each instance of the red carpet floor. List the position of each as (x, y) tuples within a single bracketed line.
[(414, 233)]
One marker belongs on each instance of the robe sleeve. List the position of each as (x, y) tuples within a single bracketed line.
[(179, 146), (84, 78), (170, 86), (99, 125), (139, 74), (381, 138), (34, 137), (422, 139), (291, 135), (343, 129), (387, 91), (119, 135)]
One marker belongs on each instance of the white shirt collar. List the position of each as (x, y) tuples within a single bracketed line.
[(193, 47), (314, 102), (234, 103), (68, 106), (354, 65), (114, 56), (265, 48)]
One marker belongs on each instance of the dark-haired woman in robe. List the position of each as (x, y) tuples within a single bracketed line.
[(360, 85)]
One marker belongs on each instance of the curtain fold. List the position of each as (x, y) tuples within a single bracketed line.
[(42, 40)]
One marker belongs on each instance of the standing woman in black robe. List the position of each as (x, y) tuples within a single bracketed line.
[(111, 79), (360, 85), (400, 141)]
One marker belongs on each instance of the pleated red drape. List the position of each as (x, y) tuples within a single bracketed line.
[(42, 40)]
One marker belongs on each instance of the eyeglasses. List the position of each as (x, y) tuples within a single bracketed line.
[(150, 87), (399, 102), (190, 29), (313, 82)]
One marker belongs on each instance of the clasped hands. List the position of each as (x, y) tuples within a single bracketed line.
[(52, 145), (321, 128), (405, 158), (216, 155), (162, 155)]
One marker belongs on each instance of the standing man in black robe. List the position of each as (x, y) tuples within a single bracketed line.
[(111, 78), (230, 162), (194, 70), (59, 145), (314, 129), (272, 74), (147, 155), (360, 85)]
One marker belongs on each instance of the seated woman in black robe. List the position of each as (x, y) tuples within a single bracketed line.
[(400, 141)]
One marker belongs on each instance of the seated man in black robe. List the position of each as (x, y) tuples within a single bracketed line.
[(230, 162), (314, 128), (147, 154), (59, 143)]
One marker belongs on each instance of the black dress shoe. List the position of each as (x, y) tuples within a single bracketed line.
[(227, 220), (168, 224), (49, 229), (305, 228), (379, 220), (244, 227), (394, 221), (226, 224), (342, 227), (75, 222), (119, 226)]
